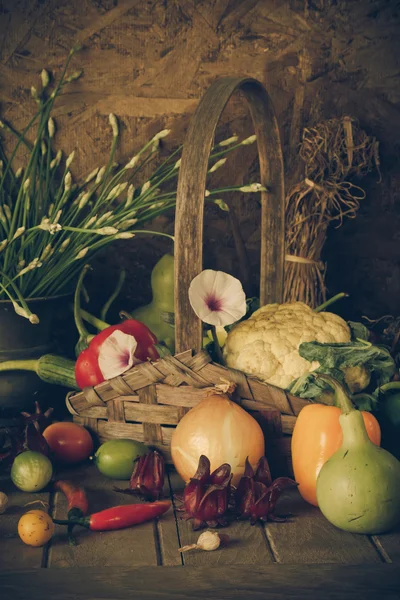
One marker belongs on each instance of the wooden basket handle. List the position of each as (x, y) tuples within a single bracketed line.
[(190, 200)]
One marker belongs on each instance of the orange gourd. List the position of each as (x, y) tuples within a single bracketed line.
[(316, 436)]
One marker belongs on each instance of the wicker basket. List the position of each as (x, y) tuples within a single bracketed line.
[(146, 402)]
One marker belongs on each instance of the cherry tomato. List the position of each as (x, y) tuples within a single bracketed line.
[(35, 528), (69, 442)]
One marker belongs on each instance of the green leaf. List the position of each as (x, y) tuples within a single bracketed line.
[(358, 331)]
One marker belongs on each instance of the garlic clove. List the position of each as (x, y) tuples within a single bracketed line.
[(208, 540), (3, 502)]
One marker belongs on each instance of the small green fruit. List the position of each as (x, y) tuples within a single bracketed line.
[(116, 458)]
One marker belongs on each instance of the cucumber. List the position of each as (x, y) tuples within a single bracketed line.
[(50, 368)]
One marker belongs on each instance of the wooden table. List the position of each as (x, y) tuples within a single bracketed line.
[(305, 557)]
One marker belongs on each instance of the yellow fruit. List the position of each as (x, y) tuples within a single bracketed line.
[(35, 528)]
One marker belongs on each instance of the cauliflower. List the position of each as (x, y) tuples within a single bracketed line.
[(266, 345)]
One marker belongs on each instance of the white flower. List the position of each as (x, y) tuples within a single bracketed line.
[(217, 298), (249, 140), (67, 181), (117, 354), (19, 173), (160, 135), (114, 124), (217, 165), (177, 164), (52, 228), (70, 159), (229, 141)]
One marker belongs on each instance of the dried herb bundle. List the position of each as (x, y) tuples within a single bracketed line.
[(333, 152)]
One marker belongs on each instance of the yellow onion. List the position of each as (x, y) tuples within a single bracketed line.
[(219, 429)]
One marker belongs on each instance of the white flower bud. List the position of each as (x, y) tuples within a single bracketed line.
[(64, 245), (160, 135), (145, 187), (34, 93), (56, 161), (252, 187), (100, 174), (45, 79), (7, 211), (26, 184), (107, 231), (104, 217), (222, 205), (114, 124), (132, 162), (47, 252), (249, 140), (70, 159), (217, 165), (18, 233), (43, 148), (67, 181), (92, 175), (84, 200), (207, 193), (129, 196), (229, 141), (51, 127), (125, 235), (82, 253), (177, 164), (18, 173), (3, 244), (128, 223), (90, 222)]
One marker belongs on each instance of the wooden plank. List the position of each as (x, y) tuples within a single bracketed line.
[(247, 544), (134, 546), (307, 537), (270, 582), (14, 554)]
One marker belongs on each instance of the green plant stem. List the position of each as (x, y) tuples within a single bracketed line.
[(98, 323), (217, 346), (327, 303), (114, 295), (342, 399)]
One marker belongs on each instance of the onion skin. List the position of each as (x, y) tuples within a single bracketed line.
[(221, 430)]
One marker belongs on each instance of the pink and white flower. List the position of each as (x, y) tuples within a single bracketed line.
[(217, 298), (117, 354)]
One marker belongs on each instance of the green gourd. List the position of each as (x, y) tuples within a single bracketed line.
[(161, 309), (358, 488)]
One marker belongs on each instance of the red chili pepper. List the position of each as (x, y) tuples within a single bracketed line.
[(77, 500), (87, 371), (120, 517)]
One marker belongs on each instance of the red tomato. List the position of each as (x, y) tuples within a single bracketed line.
[(69, 442)]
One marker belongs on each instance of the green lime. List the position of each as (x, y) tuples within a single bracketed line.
[(116, 458), (31, 471)]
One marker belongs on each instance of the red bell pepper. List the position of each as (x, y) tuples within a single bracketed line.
[(87, 370), (120, 517)]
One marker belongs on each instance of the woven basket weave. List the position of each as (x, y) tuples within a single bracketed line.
[(146, 402)]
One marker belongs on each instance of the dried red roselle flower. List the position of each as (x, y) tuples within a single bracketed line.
[(256, 495), (147, 479), (206, 496), (39, 418)]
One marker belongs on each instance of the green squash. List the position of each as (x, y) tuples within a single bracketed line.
[(161, 307)]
